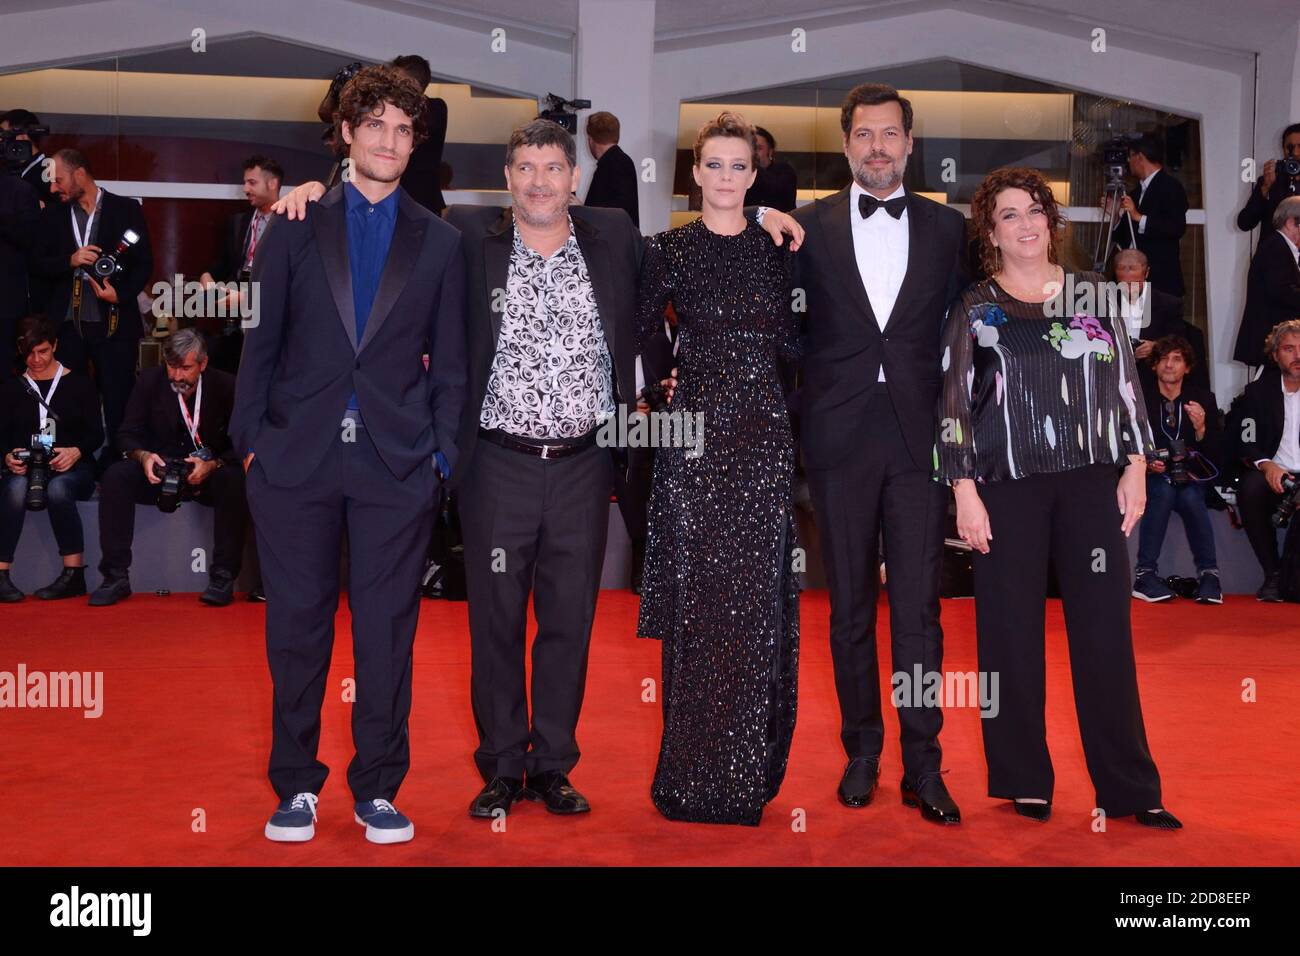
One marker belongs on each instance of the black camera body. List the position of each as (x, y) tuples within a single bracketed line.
[(174, 473), (1290, 502), (37, 459), (1175, 458), (1289, 167), (656, 396), (109, 264), (16, 153), (562, 111)]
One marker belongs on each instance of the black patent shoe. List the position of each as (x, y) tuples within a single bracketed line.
[(1042, 812), (931, 796), (1158, 819), (499, 794), (70, 583), (858, 785), (552, 788), (9, 593)]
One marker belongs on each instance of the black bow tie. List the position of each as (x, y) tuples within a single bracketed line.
[(867, 204)]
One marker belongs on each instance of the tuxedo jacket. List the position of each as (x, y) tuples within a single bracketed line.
[(1272, 296), (230, 256), (611, 247), (302, 361), (153, 420), (422, 179), (1260, 405), (614, 184), (1165, 206), (845, 346)]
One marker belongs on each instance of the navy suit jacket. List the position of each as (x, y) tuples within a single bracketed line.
[(302, 361)]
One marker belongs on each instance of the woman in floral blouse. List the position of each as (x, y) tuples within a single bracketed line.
[(1043, 436)]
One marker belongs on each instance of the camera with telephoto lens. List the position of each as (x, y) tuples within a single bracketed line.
[(1290, 502), (1289, 167), (1175, 459), (37, 459), (174, 473), (110, 263)]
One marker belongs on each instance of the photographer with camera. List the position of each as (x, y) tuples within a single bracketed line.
[(1184, 422), (1264, 422), (93, 248), (1278, 179), (1156, 211), (1272, 285), (176, 446), (26, 128), (49, 427)]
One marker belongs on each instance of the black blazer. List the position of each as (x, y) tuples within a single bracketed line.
[(1272, 296), (1259, 405), (614, 184), (225, 268), (776, 186), (611, 247), (1165, 206), (301, 360), (153, 421), (422, 179), (35, 177), (845, 346), (20, 212), (1211, 446), (1258, 210), (55, 245), (76, 403)]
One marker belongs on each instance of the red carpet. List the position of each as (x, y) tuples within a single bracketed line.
[(186, 726)]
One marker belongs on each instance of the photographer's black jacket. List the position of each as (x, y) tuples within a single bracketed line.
[(153, 419), (19, 214), (1259, 405), (1272, 296), (1211, 446), (75, 401), (55, 245), (1259, 207)]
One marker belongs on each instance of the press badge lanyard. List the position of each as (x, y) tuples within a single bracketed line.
[(192, 424), (43, 405), (90, 223)]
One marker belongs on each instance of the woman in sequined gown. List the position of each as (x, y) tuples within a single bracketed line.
[(717, 585)]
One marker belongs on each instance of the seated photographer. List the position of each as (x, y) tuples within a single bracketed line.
[(1184, 421), (47, 462), (1265, 423), (176, 447)]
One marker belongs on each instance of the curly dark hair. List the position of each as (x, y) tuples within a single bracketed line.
[(731, 124), (985, 200), (371, 89), (1172, 343)]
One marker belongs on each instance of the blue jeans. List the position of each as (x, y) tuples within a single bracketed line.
[(1164, 498), (62, 494)]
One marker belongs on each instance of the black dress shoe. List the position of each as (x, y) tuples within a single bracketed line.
[(930, 794), (1159, 819), (70, 583), (552, 788), (1271, 589), (9, 593), (257, 594), (1042, 812), (858, 785), (114, 588), (499, 794), (220, 590)]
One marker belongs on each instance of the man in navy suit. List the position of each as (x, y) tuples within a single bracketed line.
[(344, 428)]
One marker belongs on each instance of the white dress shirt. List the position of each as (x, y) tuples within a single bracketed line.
[(1288, 451), (1142, 191), (1295, 251), (880, 246)]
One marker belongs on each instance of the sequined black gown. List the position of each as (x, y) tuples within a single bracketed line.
[(717, 584)]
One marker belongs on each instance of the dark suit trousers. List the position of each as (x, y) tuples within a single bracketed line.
[(1256, 502), (114, 362), (879, 488), (1070, 518), (299, 537), (531, 525)]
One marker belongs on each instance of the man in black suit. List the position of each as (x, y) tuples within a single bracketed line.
[(19, 213), (346, 430), (422, 180), (776, 183), (1272, 186), (1264, 422), (880, 266), (1157, 210), (614, 183), (1272, 285), (100, 319), (179, 410), (1151, 315), (33, 171)]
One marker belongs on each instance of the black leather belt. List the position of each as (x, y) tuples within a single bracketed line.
[(542, 449)]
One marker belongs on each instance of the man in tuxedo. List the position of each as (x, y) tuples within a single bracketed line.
[(614, 183), (19, 213), (181, 409), (880, 266), (1272, 285), (1273, 186), (1151, 315), (346, 430), (1157, 209), (100, 317)]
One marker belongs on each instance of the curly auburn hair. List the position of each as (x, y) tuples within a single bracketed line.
[(728, 124), (986, 197), (374, 87)]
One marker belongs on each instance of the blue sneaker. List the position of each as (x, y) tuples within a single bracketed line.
[(1151, 587), (384, 823), (1210, 591), (294, 821)]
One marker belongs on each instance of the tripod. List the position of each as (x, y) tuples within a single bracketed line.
[(1111, 199)]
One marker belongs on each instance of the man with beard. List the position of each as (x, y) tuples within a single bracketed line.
[(880, 266), (180, 410)]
